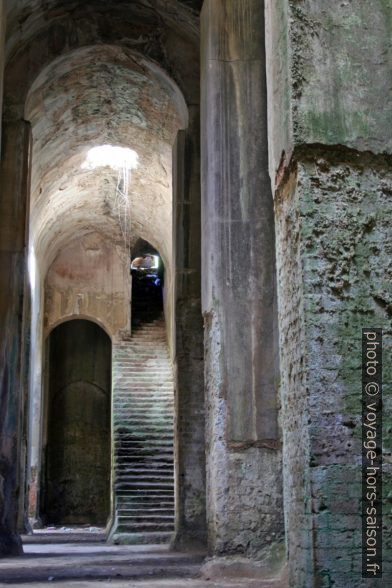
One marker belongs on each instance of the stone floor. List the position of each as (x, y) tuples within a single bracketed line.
[(86, 561)]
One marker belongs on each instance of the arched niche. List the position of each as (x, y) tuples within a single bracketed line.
[(77, 449)]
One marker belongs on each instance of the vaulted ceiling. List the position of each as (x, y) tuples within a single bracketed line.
[(109, 74)]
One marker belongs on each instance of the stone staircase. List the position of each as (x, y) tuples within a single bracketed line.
[(143, 436)]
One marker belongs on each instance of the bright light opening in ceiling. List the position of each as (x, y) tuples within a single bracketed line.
[(118, 158)]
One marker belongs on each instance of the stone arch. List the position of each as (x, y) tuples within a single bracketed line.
[(83, 317)]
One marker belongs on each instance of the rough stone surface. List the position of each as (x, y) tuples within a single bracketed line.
[(333, 216)]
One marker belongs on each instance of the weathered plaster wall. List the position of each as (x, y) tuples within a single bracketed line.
[(90, 278), (77, 481)]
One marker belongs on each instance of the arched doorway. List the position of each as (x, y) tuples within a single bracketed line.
[(78, 447)]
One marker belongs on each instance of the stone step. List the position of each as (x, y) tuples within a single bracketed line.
[(144, 402), (134, 371), (134, 378), (142, 460), (144, 394), (151, 403), (165, 464), (138, 411), (147, 401), (139, 421), (126, 526), (165, 444), (144, 417), (127, 383), (154, 372), (146, 364), (136, 429), (126, 389), (145, 489), (143, 355), (142, 408), (146, 452), (145, 350), (145, 471), (150, 466), (147, 513), (124, 436), (127, 448), (146, 455), (143, 475), (165, 490), (141, 519), (123, 474), (139, 430), (129, 500)]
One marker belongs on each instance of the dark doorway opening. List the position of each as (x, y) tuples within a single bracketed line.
[(147, 284), (77, 450)]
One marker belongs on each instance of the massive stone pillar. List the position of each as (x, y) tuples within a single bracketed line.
[(329, 84), (13, 238), (239, 293), (188, 344)]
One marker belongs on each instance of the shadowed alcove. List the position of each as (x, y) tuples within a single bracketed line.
[(77, 450)]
